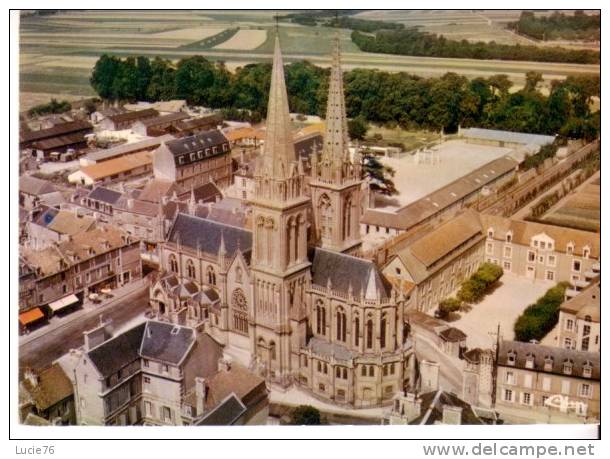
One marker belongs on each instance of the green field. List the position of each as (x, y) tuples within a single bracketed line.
[(57, 52)]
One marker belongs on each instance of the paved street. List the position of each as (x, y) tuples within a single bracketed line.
[(43, 350)]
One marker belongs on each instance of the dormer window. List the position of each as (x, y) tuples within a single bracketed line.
[(570, 248), (535, 243), (509, 237), (586, 252), (529, 360), (180, 159), (587, 369), (490, 233), (512, 357), (548, 363), (567, 367)]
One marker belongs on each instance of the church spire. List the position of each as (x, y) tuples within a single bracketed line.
[(335, 154), (278, 153)]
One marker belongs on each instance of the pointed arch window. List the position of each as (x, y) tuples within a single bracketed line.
[(190, 268), (211, 275), (341, 325), (356, 331), (382, 330), (173, 263), (320, 318), (347, 218), (369, 334)]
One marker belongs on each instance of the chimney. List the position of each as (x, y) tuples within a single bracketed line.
[(224, 364), (412, 406), (429, 375), (97, 335), (31, 377), (452, 415), (201, 392)]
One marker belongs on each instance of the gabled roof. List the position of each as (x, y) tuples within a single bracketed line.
[(133, 116), (52, 387), (166, 342), (126, 148), (225, 414), (104, 194), (114, 166), (67, 222), (523, 232), (432, 404), (114, 354), (35, 186), (586, 303), (344, 270), (194, 232), (55, 131), (162, 119)]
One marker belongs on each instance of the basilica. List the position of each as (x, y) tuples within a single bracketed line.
[(291, 298)]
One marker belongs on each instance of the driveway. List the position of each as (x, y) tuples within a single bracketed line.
[(502, 306)]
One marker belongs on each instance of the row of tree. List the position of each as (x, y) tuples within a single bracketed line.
[(578, 26), (375, 96), (412, 42)]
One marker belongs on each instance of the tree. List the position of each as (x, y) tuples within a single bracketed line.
[(532, 80), (378, 174), (449, 305), (489, 273), (305, 415), (540, 318), (357, 128), (104, 74), (471, 290)]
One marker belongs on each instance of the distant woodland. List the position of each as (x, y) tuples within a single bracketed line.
[(402, 99), (559, 26)]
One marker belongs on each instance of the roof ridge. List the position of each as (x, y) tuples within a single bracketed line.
[(213, 221)]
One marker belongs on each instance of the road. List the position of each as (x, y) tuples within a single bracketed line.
[(43, 350)]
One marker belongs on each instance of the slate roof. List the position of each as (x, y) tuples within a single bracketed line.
[(166, 342), (35, 186), (208, 121), (207, 192), (197, 143), (453, 335), (104, 194), (343, 270), (326, 349), (508, 136), (432, 404), (195, 232), (59, 141), (225, 414), (155, 189), (114, 354), (558, 354)]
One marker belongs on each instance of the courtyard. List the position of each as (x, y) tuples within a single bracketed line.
[(417, 177), (502, 306)]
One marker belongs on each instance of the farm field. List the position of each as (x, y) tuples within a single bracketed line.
[(580, 209), (58, 52)]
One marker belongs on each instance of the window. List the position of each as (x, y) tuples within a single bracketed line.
[(585, 344), (148, 409), (508, 252), (550, 275), (173, 264), (569, 324), (490, 233), (321, 387), (508, 395), (190, 268), (567, 367), (146, 380), (576, 265), (341, 324), (586, 252), (587, 369), (509, 237), (357, 331), (527, 380), (211, 275), (490, 248), (551, 260), (565, 386), (363, 370), (546, 384), (542, 245), (320, 318), (371, 370), (567, 343), (319, 367), (531, 256), (570, 248), (506, 266), (585, 390), (167, 414), (529, 361), (382, 330), (369, 334), (511, 357), (510, 377), (526, 398)]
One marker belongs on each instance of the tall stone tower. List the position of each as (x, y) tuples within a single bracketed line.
[(281, 215), (335, 180)]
